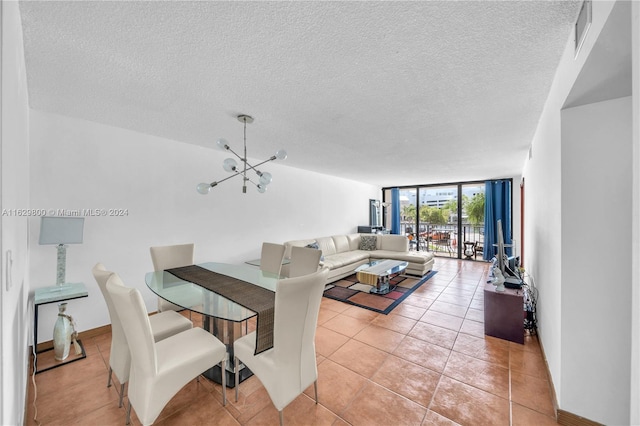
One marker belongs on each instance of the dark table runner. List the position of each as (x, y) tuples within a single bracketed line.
[(253, 297)]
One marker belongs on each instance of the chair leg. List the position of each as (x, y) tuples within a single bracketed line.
[(236, 368), (109, 379), (281, 418), (223, 373), (121, 395), (315, 388), (128, 414)]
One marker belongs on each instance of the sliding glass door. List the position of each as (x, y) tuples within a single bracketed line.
[(447, 220), (439, 219), (472, 223)]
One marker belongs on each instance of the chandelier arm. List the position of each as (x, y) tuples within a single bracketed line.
[(252, 182), (260, 164), (235, 153), (227, 178)]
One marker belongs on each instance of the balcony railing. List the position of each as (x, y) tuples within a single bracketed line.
[(443, 240)]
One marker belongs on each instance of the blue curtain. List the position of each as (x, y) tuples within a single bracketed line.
[(395, 210), (497, 206)]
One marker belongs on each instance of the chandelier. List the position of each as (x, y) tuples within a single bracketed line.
[(231, 165)]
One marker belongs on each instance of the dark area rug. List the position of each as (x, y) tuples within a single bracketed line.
[(349, 290)]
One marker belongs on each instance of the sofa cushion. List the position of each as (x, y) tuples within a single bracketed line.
[(354, 241), (345, 258), (419, 257), (341, 242), (368, 242), (327, 246), (393, 242)]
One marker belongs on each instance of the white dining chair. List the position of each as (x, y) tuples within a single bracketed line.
[(160, 369), (288, 368), (167, 257), (271, 257), (304, 261), (163, 325)]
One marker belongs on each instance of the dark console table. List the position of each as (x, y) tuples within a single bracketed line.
[(504, 313)]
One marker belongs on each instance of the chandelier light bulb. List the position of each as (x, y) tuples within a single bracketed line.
[(203, 188), (229, 165), (222, 144), (265, 178), (262, 188), (281, 154)]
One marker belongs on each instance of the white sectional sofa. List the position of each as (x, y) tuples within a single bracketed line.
[(344, 253)]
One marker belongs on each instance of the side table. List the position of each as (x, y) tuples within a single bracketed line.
[(53, 294), (504, 313)]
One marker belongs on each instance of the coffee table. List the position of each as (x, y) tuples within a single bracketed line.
[(378, 273)]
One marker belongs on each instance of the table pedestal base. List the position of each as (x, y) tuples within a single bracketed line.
[(227, 332), (214, 375)]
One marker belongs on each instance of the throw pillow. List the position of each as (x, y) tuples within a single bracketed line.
[(368, 242)]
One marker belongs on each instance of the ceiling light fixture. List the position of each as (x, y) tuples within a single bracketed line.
[(231, 165)]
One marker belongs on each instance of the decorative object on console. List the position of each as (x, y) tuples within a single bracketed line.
[(61, 231), (498, 279), (64, 333), (231, 165)]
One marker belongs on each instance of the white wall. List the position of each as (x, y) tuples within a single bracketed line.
[(14, 181), (552, 250), (596, 301), (76, 164), (635, 228), (542, 257)]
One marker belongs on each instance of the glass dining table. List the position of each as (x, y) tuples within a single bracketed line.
[(221, 317)]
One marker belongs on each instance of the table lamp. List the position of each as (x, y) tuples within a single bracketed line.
[(61, 231)]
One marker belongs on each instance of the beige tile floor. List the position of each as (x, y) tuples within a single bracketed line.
[(426, 363)]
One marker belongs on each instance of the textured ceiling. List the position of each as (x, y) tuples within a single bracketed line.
[(390, 93)]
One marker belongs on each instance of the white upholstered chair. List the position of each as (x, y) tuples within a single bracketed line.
[(163, 325), (271, 257), (304, 261), (167, 257), (160, 369), (289, 367)]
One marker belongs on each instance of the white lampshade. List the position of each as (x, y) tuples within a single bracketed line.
[(61, 230)]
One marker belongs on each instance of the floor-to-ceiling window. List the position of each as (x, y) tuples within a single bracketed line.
[(445, 219)]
